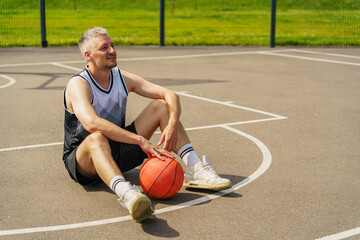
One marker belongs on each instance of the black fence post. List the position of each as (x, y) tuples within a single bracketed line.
[(44, 43), (162, 22), (273, 22)]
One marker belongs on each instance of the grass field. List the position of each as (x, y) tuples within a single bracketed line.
[(188, 22)]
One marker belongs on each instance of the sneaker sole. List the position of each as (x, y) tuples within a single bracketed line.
[(141, 208), (214, 187)]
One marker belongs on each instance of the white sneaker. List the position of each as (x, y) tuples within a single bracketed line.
[(138, 204), (202, 175)]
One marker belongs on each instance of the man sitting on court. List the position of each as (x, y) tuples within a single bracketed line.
[(97, 144)]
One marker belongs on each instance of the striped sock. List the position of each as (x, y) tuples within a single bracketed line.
[(188, 155), (117, 184)]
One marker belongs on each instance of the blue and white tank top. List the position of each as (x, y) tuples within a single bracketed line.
[(109, 104)]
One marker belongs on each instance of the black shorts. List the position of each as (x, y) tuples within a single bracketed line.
[(127, 157)]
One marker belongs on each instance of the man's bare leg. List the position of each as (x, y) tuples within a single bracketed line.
[(156, 115), (198, 174), (94, 159)]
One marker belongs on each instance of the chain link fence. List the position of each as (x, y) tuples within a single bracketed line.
[(187, 22), (310, 22)]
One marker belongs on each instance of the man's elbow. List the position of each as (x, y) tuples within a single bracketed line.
[(90, 126)]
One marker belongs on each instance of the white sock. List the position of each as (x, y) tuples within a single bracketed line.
[(117, 184), (188, 155)]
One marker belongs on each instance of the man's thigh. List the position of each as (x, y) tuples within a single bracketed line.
[(150, 118), (71, 166), (84, 161), (127, 156)]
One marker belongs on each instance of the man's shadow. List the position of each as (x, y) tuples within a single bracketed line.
[(159, 227)]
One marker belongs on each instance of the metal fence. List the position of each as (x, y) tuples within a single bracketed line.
[(318, 23), (187, 22)]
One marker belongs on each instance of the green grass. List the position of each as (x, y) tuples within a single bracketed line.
[(136, 22), (182, 4), (315, 27)]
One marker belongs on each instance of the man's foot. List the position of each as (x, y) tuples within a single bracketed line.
[(138, 204), (202, 175)]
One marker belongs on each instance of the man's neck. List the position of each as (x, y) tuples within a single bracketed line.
[(101, 76)]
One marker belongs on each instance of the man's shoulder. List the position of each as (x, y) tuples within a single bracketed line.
[(77, 80)]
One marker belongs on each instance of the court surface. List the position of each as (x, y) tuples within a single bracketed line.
[(282, 124)]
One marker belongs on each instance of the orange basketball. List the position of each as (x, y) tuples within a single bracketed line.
[(161, 179)]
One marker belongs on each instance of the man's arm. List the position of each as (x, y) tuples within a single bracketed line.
[(78, 99), (144, 88)]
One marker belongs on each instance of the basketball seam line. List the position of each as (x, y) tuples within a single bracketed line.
[(172, 182), (159, 176)]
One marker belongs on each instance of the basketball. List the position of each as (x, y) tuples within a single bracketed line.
[(161, 179)]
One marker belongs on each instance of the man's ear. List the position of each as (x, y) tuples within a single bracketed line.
[(87, 55)]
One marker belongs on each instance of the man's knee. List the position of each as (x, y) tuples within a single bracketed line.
[(84, 156), (97, 140), (159, 106)]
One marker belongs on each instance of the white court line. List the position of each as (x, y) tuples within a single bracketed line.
[(145, 58), (234, 123), (325, 53), (24, 64), (274, 52), (274, 117), (30, 146), (264, 166), (342, 235), (65, 66), (158, 132), (11, 81), (266, 161), (309, 58), (230, 105)]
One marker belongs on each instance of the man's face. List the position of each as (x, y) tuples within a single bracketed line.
[(102, 53)]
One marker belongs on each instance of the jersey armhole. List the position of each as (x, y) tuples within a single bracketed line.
[(92, 98), (123, 82)]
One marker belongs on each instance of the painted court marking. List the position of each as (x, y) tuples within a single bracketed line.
[(266, 153), (325, 53), (263, 167), (61, 63), (273, 117), (11, 81), (342, 235), (308, 58)]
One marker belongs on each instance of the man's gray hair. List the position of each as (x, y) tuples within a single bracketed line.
[(85, 43)]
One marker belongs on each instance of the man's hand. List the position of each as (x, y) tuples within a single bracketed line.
[(169, 137), (152, 150)]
